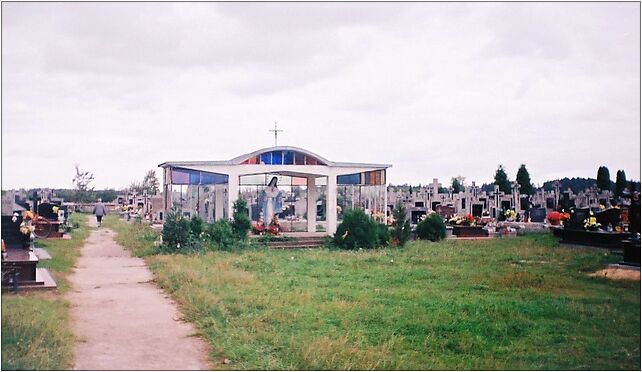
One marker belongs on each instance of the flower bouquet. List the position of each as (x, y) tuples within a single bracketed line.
[(465, 220), (274, 227), (591, 224), (554, 218), (510, 215)]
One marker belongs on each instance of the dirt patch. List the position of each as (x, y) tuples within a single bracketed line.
[(616, 273)]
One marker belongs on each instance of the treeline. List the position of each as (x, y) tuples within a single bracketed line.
[(576, 184), (92, 196)]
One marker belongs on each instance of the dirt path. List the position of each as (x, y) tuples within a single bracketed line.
[(121, 319)]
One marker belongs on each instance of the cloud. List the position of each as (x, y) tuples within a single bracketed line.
[(437, 89)]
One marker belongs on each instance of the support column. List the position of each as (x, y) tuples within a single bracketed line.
[(331, 204), (312, 205), (218, 202), (385, 204), (232, 193)]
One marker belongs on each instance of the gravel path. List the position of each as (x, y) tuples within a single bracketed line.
[(122, 320)]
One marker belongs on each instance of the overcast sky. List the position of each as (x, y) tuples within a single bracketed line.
[(435, 89)]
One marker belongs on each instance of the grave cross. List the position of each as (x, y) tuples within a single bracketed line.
[(275, 130), (497, 194)]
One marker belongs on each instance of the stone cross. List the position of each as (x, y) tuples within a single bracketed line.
[(435, 187), (496, 194), (515, 189)]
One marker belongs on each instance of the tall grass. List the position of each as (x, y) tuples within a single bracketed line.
[(521, 303), (36, 332)]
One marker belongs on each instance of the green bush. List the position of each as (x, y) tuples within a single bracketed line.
[(401, 230), (176, 232), (196, 226), (241, 224), (383, 234), (221, 234), (432, 228), (358, 231)]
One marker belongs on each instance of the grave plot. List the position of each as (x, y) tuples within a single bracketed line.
[(19, 262)]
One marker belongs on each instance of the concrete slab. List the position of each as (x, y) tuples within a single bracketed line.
[(42, 254)]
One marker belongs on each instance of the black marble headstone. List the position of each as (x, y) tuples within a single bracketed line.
[(610, 216), (578, 215), (416, 215), (524, 203), (46, 210), (477, 210), (11, 234), (537, 214)]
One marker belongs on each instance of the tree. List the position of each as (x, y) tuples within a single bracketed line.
[(524, 181), (150, 182), (401, 227), (603, 178), (620, 183), (241, 221), (81, 183), (501, 179), (456, 185)]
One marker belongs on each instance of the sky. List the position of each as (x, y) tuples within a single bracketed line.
[(438, 90)]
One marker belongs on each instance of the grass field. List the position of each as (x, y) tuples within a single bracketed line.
[(521, 303), (35, 325)]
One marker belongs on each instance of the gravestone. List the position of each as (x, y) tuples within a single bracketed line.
[(46, 210), (483, 200), (446, 211), (566, 201), (537, 214), (550, 203), (505, 204), (578, 215), (524, 203), (610, 216), (435, 205), (415, 216), (477, 210)]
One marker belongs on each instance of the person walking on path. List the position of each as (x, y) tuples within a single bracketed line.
[(100, 211)]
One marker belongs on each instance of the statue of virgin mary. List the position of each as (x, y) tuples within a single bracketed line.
[(271, 201)]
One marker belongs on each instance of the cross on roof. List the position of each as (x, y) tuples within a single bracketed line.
[(275, 130)]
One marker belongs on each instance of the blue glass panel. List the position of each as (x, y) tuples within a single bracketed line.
[(288, 157), (213, 178), (349, 179), (299, 159), (277, 157), (367, 181), (194, 178), (266, 158)]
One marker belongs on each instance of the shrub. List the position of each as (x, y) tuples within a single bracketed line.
[(401, 230), (241, 224), (356, 231), (383, 234), (176, 231), (196, 226), (220, 233), (432, 228)]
